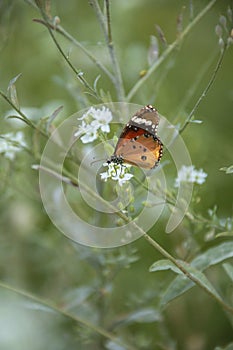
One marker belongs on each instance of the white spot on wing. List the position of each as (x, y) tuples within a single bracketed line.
[(139, 120)]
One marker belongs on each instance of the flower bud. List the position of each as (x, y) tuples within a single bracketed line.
[(223, 21), (221, 43), (218, 30), (229, 14), (229, 41)]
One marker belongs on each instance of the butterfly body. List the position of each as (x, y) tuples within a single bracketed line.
[(138, 143)]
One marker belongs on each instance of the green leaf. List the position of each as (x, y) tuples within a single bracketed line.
[(144, 315), (164, 264), (196, 121), (12, 91), (228, 347), (211, 257), (229, 270), (228, 170), (225, 234), (37, 306), (13, 80), (112, 345), (185, 283), (52, 117)]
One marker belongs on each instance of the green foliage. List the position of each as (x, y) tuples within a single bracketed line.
[(70, 58)]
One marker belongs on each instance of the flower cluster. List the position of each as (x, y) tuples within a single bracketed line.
[(116, 172), (93, 121), (12, 143), (190, 174)]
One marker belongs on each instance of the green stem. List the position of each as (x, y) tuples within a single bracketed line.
[(168, 51), (117, 70), (185, 272), (152, 242), (205, 91), (22, 117), (106, 28), (59, 29), (77, 72), (66, 314)]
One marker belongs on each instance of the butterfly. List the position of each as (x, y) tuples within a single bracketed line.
[(138, 143)]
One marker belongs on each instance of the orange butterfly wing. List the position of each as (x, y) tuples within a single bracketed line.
[(138, 143), (140, 149)]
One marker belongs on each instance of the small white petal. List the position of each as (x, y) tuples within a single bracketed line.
[(191, 175), (105, 128)]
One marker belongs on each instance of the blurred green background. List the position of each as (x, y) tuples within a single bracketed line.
[(37, 258)]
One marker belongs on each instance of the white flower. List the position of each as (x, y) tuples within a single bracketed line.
[(12, 143), (93, 120), (190, 174), (89, 136), (116, 172)]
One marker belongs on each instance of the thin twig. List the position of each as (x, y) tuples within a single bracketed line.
[(108, 22), (205, 91), (22, 117), (100, 17), (66, 314), (78, 73), (168, 51), (51, 172), (59, 29), (193, 89), (156, 245), (106, 28), (117, 70)]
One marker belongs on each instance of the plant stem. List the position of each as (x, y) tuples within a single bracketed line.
[(168, 51), (185, 272), (78, 73), (150, 240), (59, 29), (117, 70), (106, 28), (22, 117), (205, 91), (66, 314)]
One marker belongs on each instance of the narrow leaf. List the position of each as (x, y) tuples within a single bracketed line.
[(211, 257), (229, 270), (37, 306), (196, 121), (144, 315), (96, 81), (13, 80), (112, 345), (12, 91), (52, 117), (186, 283), (225, 234), (164, 264), (153, 52), (228, 170), (227, 347)]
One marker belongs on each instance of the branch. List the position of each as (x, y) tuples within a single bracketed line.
[(59, 29), (65, 313), (22, 116), (106, 28), (205, 91), (151, 241), (77, 72), (168, 51)]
